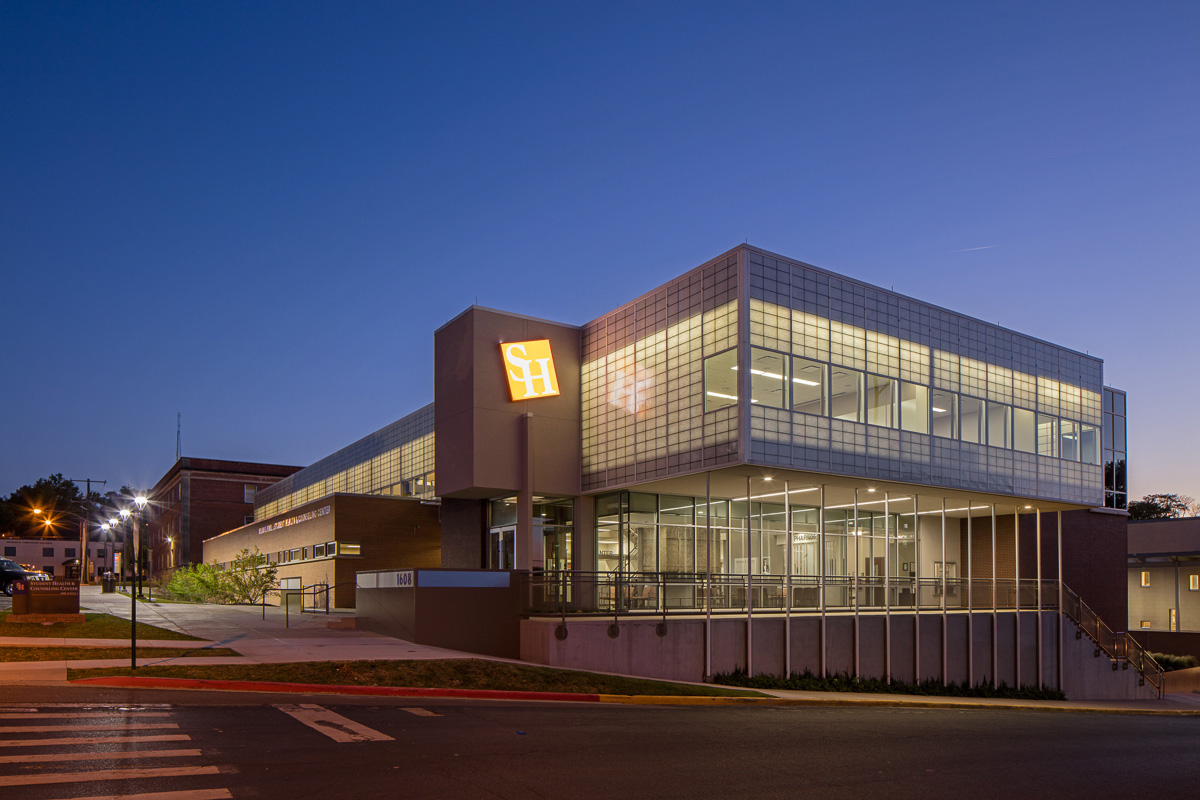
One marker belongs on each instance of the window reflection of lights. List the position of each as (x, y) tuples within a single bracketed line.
[(722, 396), (806, 383), (939, 410)]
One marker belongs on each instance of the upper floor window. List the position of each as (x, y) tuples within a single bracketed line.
[(720, 380), (768, 378), (881, 401), (944, 406), (846, 394), (249, 490), (810, 393), (914, 407)]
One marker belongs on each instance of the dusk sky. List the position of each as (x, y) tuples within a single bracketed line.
[(256, 214)]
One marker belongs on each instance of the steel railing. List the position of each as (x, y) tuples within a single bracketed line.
[(1120, 647), (577, 591)]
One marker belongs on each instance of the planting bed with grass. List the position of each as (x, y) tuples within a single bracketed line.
[(94, 626), (71, 653), (438, 674)]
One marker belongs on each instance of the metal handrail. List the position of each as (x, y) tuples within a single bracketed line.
[(1119, 646)]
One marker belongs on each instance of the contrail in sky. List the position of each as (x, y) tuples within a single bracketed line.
[(969, 249)]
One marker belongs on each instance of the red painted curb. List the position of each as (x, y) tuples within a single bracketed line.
[(321, 688)]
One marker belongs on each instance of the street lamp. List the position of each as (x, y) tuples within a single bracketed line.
[(140, 502), (48, 520)]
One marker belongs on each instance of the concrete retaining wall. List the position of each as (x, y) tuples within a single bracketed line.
[(676, 649)]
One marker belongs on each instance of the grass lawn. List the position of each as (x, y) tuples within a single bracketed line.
[(440, 674), (94, 626), (23, 654)]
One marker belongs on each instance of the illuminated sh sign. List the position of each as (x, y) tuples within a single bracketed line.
[(530, 369)]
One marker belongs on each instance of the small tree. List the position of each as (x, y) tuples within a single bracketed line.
[(250, 577)]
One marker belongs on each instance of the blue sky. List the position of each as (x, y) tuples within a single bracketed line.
[(256, 214)]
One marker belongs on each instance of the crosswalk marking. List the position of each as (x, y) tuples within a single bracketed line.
[(332, 724), (89, 715), (421, 712), (187, 794), (96, 756), (166, 737), (116, 731), (105, 775), (120, 727)]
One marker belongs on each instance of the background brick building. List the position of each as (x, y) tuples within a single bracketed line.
[(198, 499)]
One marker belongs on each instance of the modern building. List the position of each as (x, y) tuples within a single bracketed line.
[(763, 465), (199, 498), (1164, 584)]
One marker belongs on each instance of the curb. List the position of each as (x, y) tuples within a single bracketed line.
[(126, 681)]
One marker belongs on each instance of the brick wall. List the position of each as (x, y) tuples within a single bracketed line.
[(392, 533)]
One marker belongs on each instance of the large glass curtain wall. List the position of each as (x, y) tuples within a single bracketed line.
[(640, 533), (802, 385)]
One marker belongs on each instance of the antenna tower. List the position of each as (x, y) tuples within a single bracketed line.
[(178, 435)]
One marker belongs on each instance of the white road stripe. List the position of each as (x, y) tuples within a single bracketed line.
[(421, 712), (64, 728), (96, 756), (189, 794), (332, 724), (166, 737), (89, 715), (105, 775)]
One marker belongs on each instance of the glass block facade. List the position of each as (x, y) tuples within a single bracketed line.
[(842, 378), (644, 410), (394, 460), (1028, 417)]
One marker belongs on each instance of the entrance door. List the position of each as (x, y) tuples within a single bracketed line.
[(502, 552)]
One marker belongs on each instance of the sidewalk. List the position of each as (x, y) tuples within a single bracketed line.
[(305, 638)]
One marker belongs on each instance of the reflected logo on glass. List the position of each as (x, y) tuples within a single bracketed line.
[(530, 369)]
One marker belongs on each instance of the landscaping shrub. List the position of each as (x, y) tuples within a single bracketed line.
[(1170, 663), (843, 682)]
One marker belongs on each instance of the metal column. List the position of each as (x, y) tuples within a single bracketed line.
[(1058, 524), (887, 585), (857, 561), (1037, 535), (821, 559), (787, 582), (708, 576), (916, 588), (970, 607), (749, 585), (1017, 593), (995, 613)]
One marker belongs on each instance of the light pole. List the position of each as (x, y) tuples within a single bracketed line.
[(48, 520), (140, 502)]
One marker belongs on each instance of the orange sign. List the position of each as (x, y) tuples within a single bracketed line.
[(530, 369)]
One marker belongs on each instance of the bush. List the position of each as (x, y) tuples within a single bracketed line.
[(1170, 663), (843, 682), (247, 580)]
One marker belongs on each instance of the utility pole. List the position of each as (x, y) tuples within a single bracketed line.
[(83, 518)]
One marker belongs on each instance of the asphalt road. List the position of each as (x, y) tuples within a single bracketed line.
[(252, 746)]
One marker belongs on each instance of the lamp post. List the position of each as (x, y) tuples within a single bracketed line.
[(140, 502), (48, 520)]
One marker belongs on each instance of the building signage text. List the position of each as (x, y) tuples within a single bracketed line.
[(530, 369), (296, 520)]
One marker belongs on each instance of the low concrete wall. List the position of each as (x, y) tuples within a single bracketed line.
[(475, 611), (1183, 681), (675, 650)]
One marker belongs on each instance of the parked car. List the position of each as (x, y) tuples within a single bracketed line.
[(9, 571), (34, 574)]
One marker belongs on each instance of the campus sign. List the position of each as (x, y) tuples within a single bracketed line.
[(529, 367)]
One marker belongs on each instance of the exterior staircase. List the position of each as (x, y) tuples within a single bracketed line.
[(1119, 647)]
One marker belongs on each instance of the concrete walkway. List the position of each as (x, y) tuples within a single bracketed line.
[(277, 638)]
